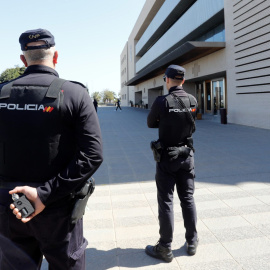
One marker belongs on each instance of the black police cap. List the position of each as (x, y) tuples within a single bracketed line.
[(175, 72), (36, 35)]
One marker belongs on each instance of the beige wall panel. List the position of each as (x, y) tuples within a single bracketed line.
[(259, 11), (247, 109), (252, 42), (261, 46), (124, 75), (248, 33), (242, 110), (251, 66), (263, 80), (254, 73), (210, 64)]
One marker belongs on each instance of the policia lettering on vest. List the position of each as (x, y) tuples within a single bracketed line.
[(50, 146), (174, 116)]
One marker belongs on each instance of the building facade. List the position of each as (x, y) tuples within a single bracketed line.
[(224, 45)]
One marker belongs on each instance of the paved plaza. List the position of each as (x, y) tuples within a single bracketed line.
[(232, 197)]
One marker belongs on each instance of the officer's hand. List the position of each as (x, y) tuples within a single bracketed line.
[(32, 196), (175, 152)]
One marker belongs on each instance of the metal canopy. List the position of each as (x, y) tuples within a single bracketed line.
[(186, 53)]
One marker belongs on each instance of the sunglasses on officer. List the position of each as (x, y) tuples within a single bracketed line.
[(164, 78)]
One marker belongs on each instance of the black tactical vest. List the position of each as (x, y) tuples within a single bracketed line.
[(175, 125), (30, 131)]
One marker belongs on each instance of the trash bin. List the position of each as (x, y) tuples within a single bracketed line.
[(199, 116), (223, 116)]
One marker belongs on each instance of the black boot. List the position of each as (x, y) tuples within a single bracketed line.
[(159, 252), (192, 248)]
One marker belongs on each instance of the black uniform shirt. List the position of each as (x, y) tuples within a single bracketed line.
[(174, 127), (79, 153)]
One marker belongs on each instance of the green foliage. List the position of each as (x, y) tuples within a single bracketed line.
[(11, 73), (97, 96), (107, 96)]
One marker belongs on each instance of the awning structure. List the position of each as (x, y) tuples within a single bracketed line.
[(186, 53)]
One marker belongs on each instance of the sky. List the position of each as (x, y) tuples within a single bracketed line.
[(90, 36)]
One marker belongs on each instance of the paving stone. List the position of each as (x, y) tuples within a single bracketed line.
[(127, 198), (246, 201), (135, 221), (140, 260), (258, 218), (229, 264), (205, 254), (225, 222), (94, 249), (130, 213), (248, 247), (252, 209), (210, 205), (215, 213), (99, 235), (136, 232), (98, 224), (102, 262), (130, 204), (238, 233)]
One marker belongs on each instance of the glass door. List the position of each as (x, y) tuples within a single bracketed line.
[(200, 97), (218, 95), (208, 97)]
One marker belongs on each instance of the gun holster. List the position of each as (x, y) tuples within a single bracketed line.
[(80, 199), (157, 150)]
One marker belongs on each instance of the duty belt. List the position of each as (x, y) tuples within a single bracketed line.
[(11, 185)]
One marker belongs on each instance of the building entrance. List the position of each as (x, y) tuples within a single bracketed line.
[(153, 93), (218, 95), (200, 97), (208, 97), (211, 96)]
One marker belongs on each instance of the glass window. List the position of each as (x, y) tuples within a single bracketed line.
[(215, 35)]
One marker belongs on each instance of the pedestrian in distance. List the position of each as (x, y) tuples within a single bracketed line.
[(95, 104), (174, 115), (118, 105), (50, 145)]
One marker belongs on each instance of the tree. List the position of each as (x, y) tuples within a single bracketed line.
[(107, 96), (11, 73), (97, 96)]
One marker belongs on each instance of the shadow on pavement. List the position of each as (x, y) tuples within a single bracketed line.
[(225, 154), (129, 258)]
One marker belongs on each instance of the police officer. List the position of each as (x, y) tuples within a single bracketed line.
[(50, 145), (118, 105), (95, 104), (174, 115)]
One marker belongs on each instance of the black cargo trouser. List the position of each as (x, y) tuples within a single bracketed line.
[(179, 172), (50, 233)]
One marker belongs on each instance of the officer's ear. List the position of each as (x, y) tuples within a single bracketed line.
[(55, 57), (22, 57), (183, 81)]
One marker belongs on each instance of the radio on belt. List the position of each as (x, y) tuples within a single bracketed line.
[(23, 205)]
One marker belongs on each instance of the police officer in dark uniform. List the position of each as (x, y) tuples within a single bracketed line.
[(50, 145), (95, 104), (174, 115), (118, 105)]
